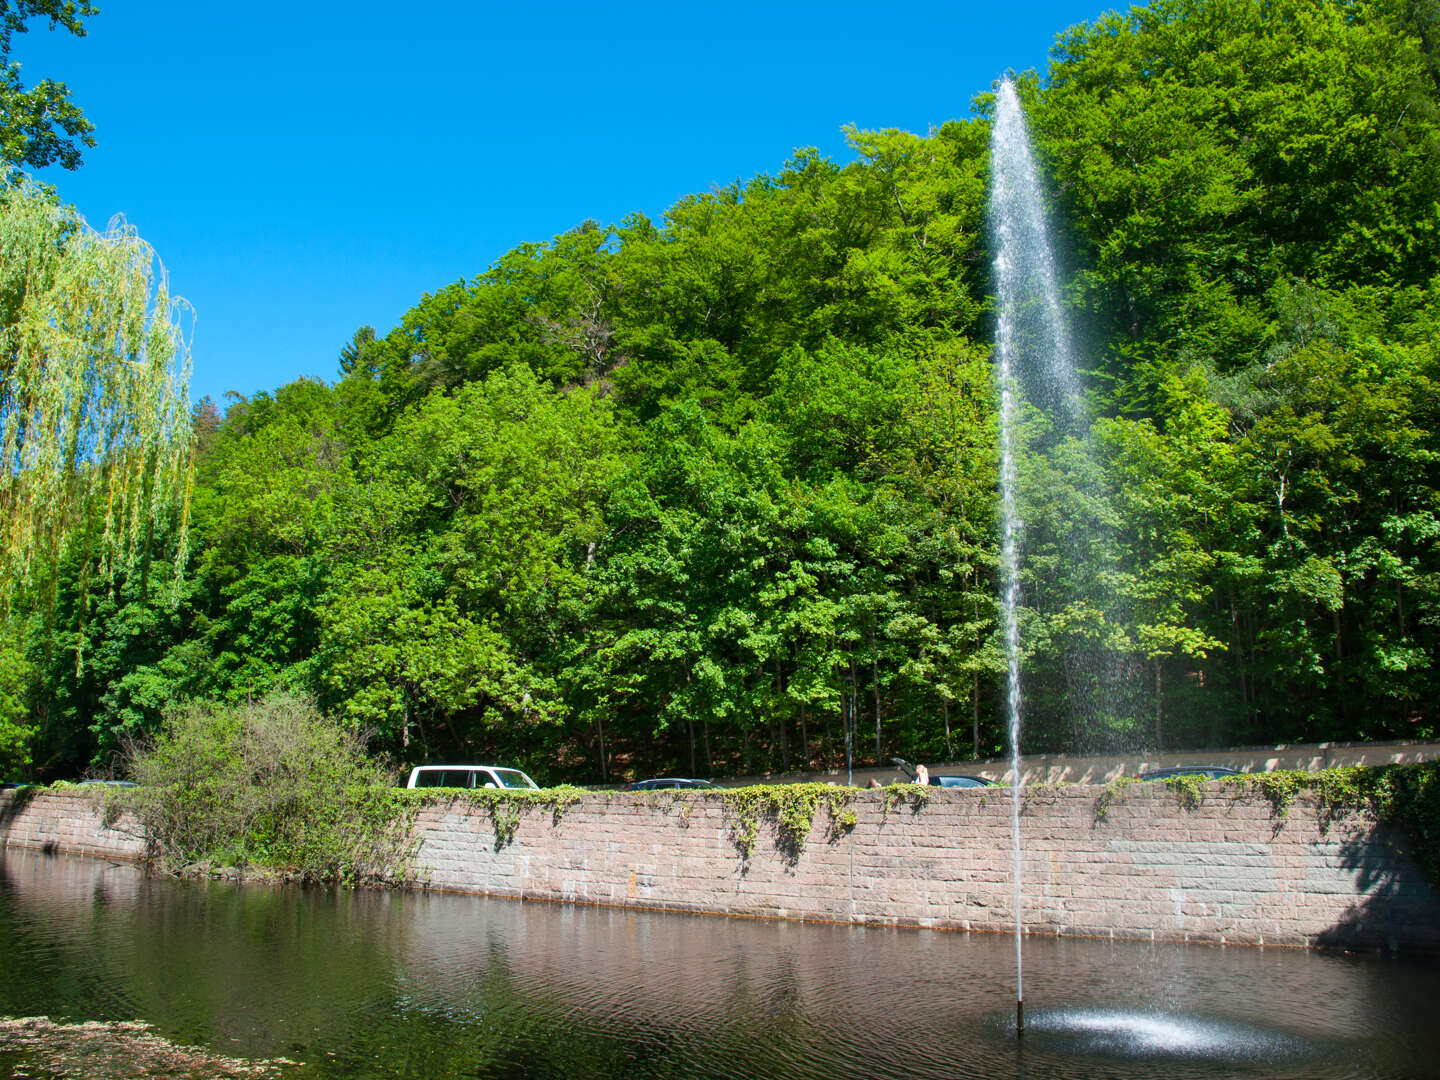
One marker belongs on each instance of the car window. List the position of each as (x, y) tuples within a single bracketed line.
[(446, 778), (1213, 772)]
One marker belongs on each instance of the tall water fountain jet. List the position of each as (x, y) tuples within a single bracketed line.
[(1034, 363), (1044, 426)]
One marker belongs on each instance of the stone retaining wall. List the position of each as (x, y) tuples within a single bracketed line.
[(1145, 866), (1139, 865), (69, 822)]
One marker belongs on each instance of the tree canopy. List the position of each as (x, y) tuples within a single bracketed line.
[(39, 126), (94, 415), (95, 431), (716, 493)]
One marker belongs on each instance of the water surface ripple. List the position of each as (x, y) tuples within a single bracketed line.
[(376, 984)]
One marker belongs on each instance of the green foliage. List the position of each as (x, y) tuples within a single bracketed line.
[(1410, 798), (715, 494), (1403, 796), (95, 434), (1187, 788), (1115, 791), (792, 807), (915, 796), (271, 784), (1205, 151), (503, 805), (41, 125), (15, 735), (461, 555)]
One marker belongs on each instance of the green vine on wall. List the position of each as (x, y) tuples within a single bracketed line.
[(1186, 788), (792, 807), (1406, 797), (915, 796), (1110, 794), (505, 806), (678, 801)]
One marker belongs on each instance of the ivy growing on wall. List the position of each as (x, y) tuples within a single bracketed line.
[(1405, 797), (792, 807)]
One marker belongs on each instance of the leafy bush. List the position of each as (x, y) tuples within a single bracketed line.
[(273, 784), (15, 735)]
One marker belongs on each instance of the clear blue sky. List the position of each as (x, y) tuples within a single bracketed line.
[(304, 170)]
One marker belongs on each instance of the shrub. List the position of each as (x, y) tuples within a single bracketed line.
[(273, 784)]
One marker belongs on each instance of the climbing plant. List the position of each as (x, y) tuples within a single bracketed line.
[(792, 807), (505, 806), (1402, 796)]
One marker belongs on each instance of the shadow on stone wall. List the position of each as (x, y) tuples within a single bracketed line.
[(1397, 907), (13, 802)]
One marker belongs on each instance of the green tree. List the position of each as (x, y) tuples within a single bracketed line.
[(94, 419), (15, 732), (460, 561), (39, 126)]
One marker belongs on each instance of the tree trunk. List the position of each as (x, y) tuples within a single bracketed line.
[(1159, 740), (975, 715), (780, 715), (1073, 704), (850, 730), (875, 675), (604, 768), (1239, 650)]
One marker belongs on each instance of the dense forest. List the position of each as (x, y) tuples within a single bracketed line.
[(715, 493)]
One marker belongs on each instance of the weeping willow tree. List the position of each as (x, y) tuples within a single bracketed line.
[(94, 407)]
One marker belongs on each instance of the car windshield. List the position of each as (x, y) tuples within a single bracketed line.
[(513, 778)]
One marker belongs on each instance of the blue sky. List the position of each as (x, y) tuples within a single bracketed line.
[(304, 170)]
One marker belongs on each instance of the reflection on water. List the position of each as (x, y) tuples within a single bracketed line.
[(387, 984)]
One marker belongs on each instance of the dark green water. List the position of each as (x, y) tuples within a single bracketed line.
[(373, 984)]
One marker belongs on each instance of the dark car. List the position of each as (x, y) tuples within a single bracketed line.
[(941, 779), (960, 781), (1210, 772), (667, 782)]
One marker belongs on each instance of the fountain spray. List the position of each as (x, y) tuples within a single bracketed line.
[(1032, 350)]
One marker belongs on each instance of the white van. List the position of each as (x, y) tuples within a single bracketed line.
[(468, 776)]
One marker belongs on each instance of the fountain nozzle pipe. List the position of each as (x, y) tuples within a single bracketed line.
[(1019, 1017)]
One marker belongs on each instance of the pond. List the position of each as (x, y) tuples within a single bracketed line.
[(395, 984)]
